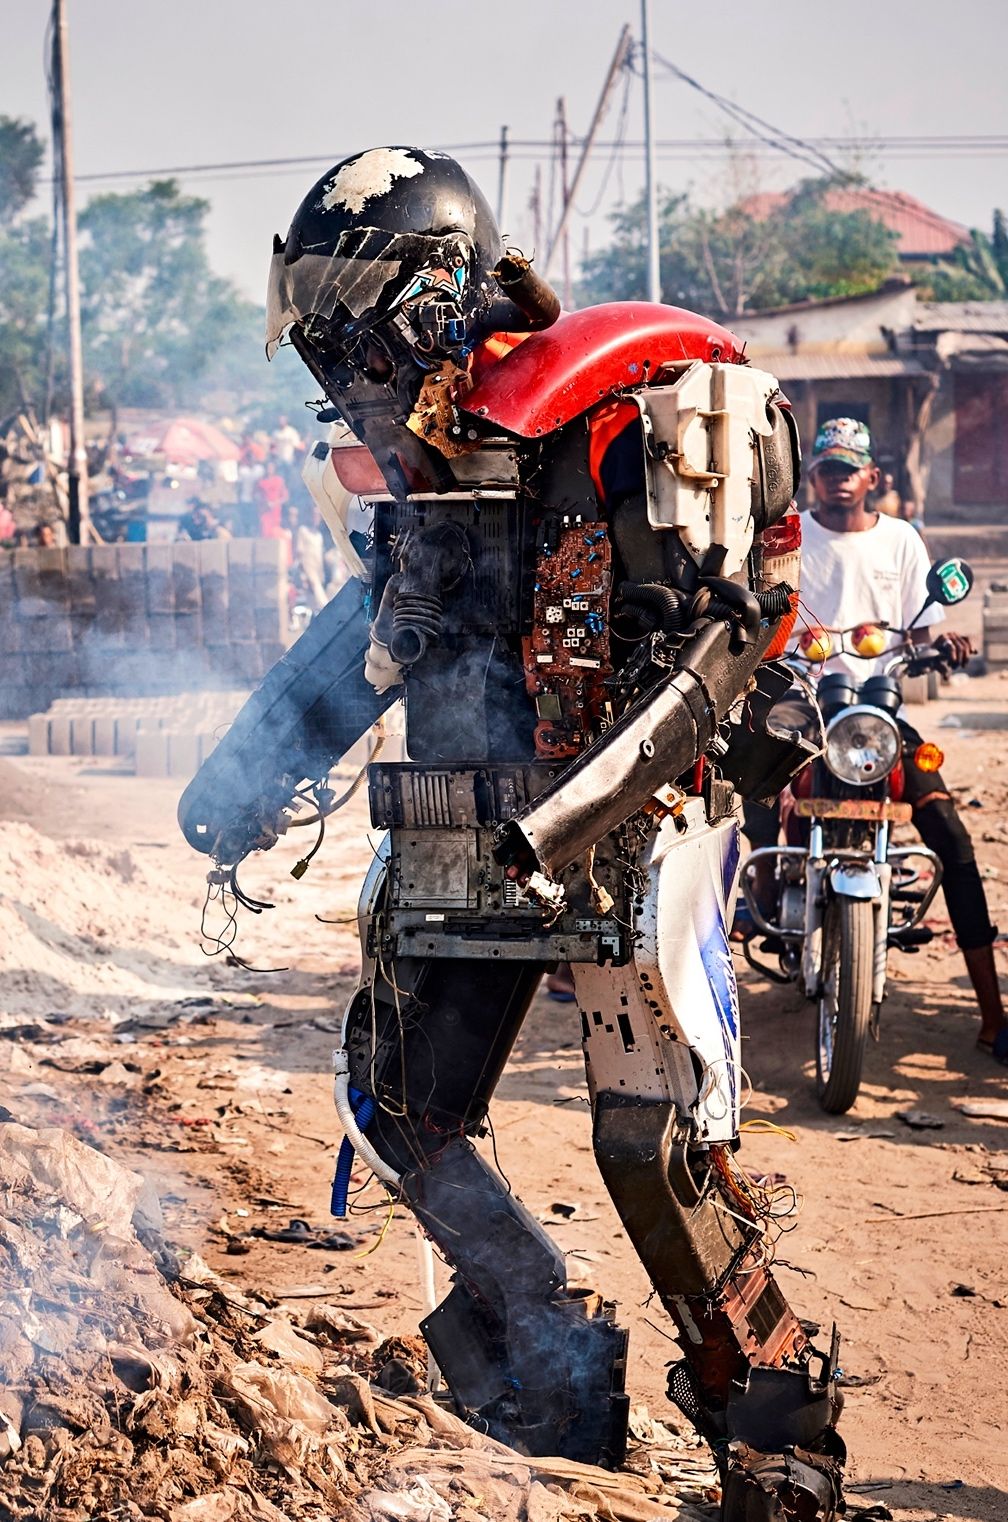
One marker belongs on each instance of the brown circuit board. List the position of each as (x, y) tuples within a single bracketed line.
[(567, 654)]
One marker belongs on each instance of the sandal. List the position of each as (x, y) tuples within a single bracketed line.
[(998, 1048)]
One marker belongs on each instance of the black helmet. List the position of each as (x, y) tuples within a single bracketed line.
[(395, 243)]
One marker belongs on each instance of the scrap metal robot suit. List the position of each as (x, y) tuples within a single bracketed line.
[(580, 568)]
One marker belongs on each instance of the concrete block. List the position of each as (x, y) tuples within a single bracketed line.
[(60, 729), (52, 633), (161, 631), (216, 619), (63, 669), (241, 555), (160, 567), (38, 734), (242, 624), (126, 736), (188, 629), (268, 555), (104, 562), (183, 753), (271, 653), (133, 586), (246, 661), (152, 753), (104, 734), (212, 557), (82, 735), (111, 600), (186, 577), (11, 629), (40, 575), (271, 621), (80, 580)]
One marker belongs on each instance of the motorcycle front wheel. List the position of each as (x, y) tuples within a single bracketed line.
[(845, 1001)]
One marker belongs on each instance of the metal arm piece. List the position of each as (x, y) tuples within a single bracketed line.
[(656, 741), (305, 714)]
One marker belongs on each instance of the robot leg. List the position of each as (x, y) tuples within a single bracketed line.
[(661, 1041), (424, 1042)]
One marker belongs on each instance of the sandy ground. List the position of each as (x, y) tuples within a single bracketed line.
[(214, 1082)]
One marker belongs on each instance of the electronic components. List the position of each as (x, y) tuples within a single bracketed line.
[(567, 653)]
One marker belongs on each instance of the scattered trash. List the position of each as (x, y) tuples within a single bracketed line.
[(982, 1109), (305, 1235), (862, 1134), (421, 1503)]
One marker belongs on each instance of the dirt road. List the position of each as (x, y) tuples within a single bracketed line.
[(214, 1082)]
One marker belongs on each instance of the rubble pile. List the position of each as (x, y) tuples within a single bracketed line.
[(137, 1385)]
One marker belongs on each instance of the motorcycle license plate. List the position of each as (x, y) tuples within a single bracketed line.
[(853, 808)]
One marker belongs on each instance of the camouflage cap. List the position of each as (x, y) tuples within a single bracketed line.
[(842, 438)]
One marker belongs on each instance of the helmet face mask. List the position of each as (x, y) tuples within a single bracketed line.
[(402, 260)]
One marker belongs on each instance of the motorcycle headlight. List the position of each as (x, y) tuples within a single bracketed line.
[(862, 745)]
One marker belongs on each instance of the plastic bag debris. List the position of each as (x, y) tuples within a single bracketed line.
[(420, 1503), (101, 1191), (279, 1337), (288, 1416)]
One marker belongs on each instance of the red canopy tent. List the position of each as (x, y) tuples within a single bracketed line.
[(187, 440)]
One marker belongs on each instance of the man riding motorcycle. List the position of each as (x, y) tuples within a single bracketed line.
[(859, 567)]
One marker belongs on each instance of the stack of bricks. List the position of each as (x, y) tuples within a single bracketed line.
[(995, 626), (138, 619), (163, 737)]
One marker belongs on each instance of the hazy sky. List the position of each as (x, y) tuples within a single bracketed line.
[(163, 83)]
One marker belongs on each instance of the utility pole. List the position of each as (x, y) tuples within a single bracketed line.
[(78, 525), (502, 180), (653, 265), (619, 61), (562, 234), (536, 207)]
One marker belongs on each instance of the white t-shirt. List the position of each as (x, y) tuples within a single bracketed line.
[(878, 576)]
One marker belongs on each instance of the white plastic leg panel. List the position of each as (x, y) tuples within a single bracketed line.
[(678, 995)]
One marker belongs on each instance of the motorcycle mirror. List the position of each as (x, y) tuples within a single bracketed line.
[(949, 582)]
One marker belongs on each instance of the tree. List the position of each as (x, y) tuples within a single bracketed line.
[(154, 314), (24, 269), (975, 271), (735, 260)]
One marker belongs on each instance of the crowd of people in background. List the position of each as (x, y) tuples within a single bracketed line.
[(260, 495), (273, 503)]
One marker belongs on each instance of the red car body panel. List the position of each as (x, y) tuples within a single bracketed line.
[(586, 357)]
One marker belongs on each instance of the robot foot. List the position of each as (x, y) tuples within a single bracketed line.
[(795, 1486), (780, 1456)]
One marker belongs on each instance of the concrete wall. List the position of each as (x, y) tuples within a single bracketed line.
[(853, 324), (138, 618)]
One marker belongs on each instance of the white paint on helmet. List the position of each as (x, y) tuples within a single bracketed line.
[(370, 175)]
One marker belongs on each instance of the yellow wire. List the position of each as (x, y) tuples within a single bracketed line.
[(381, 1235), (768, 1128)]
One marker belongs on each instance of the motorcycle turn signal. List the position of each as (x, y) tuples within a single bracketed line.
[(929, 757)]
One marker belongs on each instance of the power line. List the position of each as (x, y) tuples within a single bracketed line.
[(783, 142), (978, 145)]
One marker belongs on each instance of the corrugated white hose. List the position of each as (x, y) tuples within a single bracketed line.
[(428, 1294), (344, 1109)]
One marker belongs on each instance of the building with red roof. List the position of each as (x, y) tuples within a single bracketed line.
[(921, 233)]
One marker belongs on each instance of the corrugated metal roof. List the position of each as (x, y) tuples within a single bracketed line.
[(787, 365), (962, 316)]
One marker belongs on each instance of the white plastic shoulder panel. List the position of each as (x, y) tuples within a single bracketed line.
[(332, 498), (699, 449)]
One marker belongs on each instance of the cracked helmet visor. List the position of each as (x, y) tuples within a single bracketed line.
[(366, 280)]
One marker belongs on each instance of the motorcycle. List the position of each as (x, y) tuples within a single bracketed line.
[(841, 893)]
